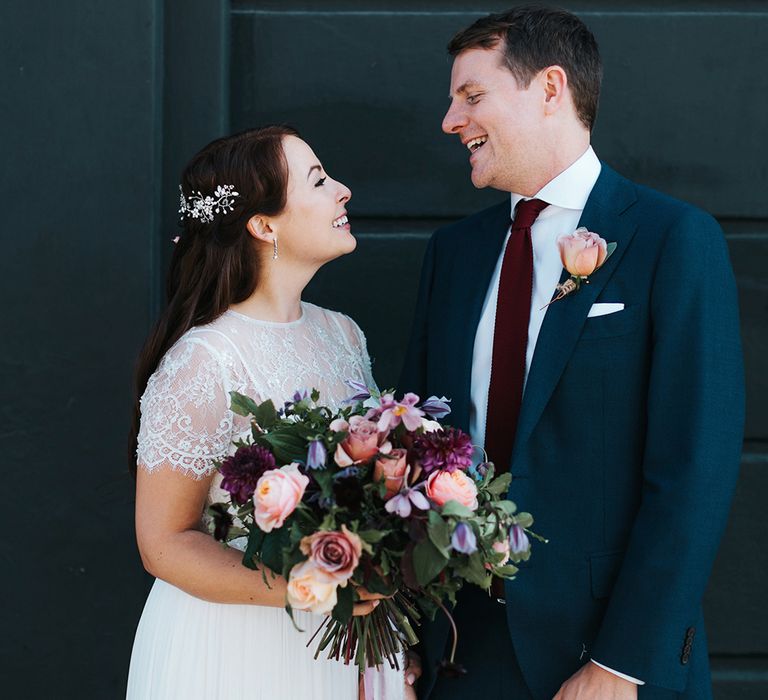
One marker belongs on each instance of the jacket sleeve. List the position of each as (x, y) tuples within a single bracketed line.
[(413, 376), (695, 419)]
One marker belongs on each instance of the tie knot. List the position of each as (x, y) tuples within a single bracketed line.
[(526, 212)]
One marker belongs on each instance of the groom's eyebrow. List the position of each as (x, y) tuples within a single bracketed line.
[(314, 167), (465, 87)]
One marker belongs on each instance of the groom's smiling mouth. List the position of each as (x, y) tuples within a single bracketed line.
[(475, 143)]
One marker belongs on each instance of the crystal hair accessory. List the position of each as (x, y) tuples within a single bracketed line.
[(204, 208)]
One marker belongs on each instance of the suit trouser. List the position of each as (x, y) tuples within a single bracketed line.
[(485, 650)]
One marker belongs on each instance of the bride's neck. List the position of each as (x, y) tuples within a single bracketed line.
[(277, 296)]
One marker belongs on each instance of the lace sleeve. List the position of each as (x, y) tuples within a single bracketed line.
[(186, 423), (359, 346)]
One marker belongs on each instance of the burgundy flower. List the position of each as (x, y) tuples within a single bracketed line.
[(448, 449), (243, 469)]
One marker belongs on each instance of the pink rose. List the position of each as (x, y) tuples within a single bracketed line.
[(502, 547), (582, 252), (392, 469), (334, 554), (443, 486), (361, 444), (278, 492), (308, 589)]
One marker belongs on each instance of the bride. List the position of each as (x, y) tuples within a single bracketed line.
[(260, 217)]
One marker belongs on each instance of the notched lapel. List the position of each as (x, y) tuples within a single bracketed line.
[(606, 214)]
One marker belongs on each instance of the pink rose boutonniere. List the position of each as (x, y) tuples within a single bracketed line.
[(582, 253)]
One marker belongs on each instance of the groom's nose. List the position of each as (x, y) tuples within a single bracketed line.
[(454, 120)]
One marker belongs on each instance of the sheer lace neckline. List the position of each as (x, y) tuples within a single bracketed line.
[(271, 324)]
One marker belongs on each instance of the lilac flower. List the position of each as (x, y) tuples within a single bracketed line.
[(463, 539), (300, 395), (436, 408), (242, 470), (396, 412), (361, 391), (316, 455), (448, 449), (518, 540), (401, 503)]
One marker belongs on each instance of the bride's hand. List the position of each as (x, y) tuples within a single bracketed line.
[(368, 601)]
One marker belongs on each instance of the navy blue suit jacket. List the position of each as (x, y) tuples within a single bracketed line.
[(628, 443)]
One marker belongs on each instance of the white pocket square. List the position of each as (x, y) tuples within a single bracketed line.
[(604, 309)]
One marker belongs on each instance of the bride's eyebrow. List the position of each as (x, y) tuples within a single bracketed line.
[(314, 167)]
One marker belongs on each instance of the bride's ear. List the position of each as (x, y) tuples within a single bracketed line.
[(260, 228)]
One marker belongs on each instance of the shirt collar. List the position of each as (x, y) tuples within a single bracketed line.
[(571, 188)]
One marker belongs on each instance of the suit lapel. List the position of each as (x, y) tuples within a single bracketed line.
[(604, 214), (476, 263)]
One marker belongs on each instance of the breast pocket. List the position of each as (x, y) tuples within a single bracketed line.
[(612, 325)]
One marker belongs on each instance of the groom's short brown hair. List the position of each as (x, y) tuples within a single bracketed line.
[(535, 37)]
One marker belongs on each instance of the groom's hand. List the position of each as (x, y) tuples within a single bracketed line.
[(591, 682), (412, 674)]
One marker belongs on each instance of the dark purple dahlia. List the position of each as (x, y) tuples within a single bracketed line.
[(243, 469), (447, 448)]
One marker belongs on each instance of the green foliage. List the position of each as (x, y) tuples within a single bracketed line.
[(499, 485), (345, 599), (428, 561), (242, 405), (440, 532), (251, 556), (272, 548), (456, 510), (285, 444)]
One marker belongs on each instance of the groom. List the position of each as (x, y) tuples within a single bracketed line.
[(618, 409)]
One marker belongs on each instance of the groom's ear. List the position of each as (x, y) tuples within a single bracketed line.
[(555, 83), (260, 228)]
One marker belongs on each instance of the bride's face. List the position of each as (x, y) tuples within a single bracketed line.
[(313, 226)]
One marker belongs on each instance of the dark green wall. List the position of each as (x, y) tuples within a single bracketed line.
[(102, 103)]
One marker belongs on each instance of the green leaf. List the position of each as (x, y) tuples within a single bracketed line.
[(500, 484), (524, 520), (609, 250), (508, 571), (428, 561), (242, 405), (377, 584), (286, 446), (373, 536), (474, 570), (439, 532), (457, 510), (272, 549), (253, 550), (266, 415), (345, 598)]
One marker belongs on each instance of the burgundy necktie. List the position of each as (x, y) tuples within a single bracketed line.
[(510, 336)]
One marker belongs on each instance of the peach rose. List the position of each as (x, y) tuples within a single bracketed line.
[(308, 589), (278, 492), (392, 469), (361, 444), (582, 252), (443, 486), (334, 554)]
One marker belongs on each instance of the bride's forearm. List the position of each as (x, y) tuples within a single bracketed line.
[(199, 565)]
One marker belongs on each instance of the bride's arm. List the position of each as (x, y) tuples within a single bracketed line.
[(172, 547)]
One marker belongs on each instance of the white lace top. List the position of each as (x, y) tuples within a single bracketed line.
[(186, 422)]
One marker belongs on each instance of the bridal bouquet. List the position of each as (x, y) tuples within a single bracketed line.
[(377, 495)]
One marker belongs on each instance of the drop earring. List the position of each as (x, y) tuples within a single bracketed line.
[(274, 242)]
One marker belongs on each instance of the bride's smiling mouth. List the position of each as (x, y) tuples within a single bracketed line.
[(342, 222)]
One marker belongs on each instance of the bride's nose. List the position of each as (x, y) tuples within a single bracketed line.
[(345, 194)]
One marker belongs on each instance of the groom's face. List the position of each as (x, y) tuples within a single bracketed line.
[(499, 123)]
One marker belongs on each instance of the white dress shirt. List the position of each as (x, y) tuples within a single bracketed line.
[(567, 195)]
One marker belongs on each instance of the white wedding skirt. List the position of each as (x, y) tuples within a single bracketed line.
[(189, 648)]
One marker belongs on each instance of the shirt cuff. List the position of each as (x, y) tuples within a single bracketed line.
[(617, 673)]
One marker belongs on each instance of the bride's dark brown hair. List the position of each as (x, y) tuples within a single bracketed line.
[(215, 264)]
